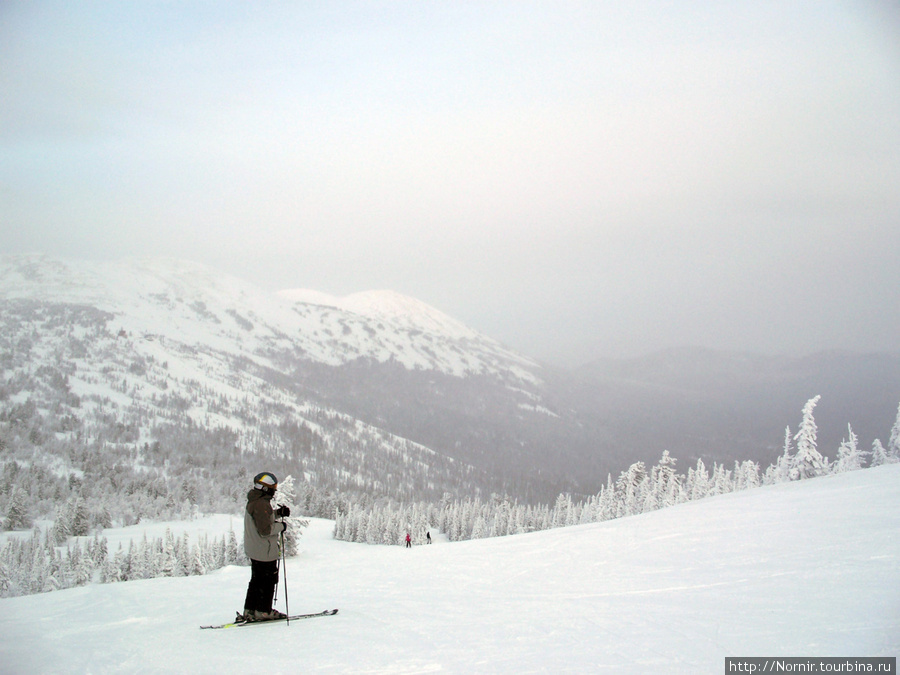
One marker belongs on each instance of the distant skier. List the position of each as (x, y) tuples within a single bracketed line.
[(408, 541), (428, 537), (262, 546)]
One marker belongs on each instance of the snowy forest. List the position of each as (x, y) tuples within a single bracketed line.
[(638, 489), (50, 559), (71, 552)]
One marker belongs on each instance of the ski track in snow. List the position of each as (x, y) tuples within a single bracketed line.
[(801, 569)]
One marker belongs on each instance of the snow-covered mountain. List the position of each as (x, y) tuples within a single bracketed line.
[(390, 307), (804, 569), (192, 304), (151, 344), (375, 392)]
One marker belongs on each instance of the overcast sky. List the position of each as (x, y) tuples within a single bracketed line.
[(576, 179)]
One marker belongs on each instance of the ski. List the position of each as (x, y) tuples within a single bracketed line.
[(237, 623)]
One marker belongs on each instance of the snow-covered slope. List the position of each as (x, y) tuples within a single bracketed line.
[(192, 304), (386, 305), (801, 569), (142, 344)]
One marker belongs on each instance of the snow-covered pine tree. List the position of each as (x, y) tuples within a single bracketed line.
[(147, 561), (500, 520), (233, 552), (879, 454), (721, 482), (54, 580), (347, 525), (375, 527), (61, 526), (780, 472), (5, 577), (359, 529), (132, 563), (849, 457), (77, 566), (108, 572), (99, 549), (17, 517), (893, 448), (79, 519), (630, 488), (697, 483), (185, 556), (285, 496), (561, 509), (574, 513), (168, 561), (808, 462), (606, 503), (479, 528), (197, 566), (746, 475), (664, 484), (520, 526), (589, 511), (38, 572), (103, 517), (393, 526)]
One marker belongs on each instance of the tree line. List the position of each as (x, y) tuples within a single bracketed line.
[(51, 559), (37, 564), (638, 489), (64, 555)]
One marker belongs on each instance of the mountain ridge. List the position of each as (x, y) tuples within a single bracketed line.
[(176, 293)]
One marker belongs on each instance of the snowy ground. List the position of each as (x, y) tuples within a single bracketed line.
[(801, 569)]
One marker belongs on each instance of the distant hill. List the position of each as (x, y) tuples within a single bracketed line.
[(725, 406)]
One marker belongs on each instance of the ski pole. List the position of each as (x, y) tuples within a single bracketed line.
[(287, 609)]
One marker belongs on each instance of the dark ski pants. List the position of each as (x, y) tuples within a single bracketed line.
[(261, 589)]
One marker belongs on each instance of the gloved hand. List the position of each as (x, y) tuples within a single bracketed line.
[(282, 512)]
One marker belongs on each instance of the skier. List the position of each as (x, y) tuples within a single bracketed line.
[(408, 541), (428, 537), (262, 546)]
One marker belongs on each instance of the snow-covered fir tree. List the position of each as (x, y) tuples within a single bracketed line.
[(664, 484), (849, 457), (285, 496), (880, 455), (781, 470), (894, 441), (893, 449), (697, 483), (808, 462), (630, 488), (17, 517)]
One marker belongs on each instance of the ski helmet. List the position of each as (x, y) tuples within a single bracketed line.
[(266, 481)]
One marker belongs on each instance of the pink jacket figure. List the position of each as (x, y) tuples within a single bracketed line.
[(408, 541)]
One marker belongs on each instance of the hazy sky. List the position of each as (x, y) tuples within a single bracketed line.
[(576, 179)]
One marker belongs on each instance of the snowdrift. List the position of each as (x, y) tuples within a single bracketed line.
[(800, 569)]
